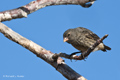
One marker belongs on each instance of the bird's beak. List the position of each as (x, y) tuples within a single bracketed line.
[(65, 39)]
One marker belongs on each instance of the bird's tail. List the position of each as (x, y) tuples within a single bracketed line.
[(106, 48)]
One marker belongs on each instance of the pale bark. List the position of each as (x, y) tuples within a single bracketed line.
[(42, 53), (38, 4), (63, 68)]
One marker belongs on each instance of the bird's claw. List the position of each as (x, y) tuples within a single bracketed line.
[(84, 58), (70, 56)]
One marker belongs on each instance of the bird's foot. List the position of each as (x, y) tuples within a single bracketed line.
[(73, 54), (84, 58)]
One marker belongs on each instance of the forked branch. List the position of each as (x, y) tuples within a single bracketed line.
[(63, 68)]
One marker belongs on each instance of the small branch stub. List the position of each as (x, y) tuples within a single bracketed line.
[(38, 4)]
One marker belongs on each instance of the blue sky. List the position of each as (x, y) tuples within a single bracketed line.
[(46, 27)]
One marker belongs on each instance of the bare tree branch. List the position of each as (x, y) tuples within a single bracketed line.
[(38, 4), (83, 55), (63, 68)]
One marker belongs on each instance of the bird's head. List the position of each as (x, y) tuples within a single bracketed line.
[(69, 36)]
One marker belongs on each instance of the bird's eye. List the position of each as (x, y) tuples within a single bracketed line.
[(68, 35)]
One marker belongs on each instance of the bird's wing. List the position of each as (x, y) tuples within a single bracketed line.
[(85, 38), (92, 36), (88, 34)]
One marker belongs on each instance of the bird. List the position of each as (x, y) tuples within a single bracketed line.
[(82, 39)]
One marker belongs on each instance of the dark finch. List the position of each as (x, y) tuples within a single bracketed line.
[(82, 39)]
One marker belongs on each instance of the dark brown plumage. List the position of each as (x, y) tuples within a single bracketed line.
[(82, 39)]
